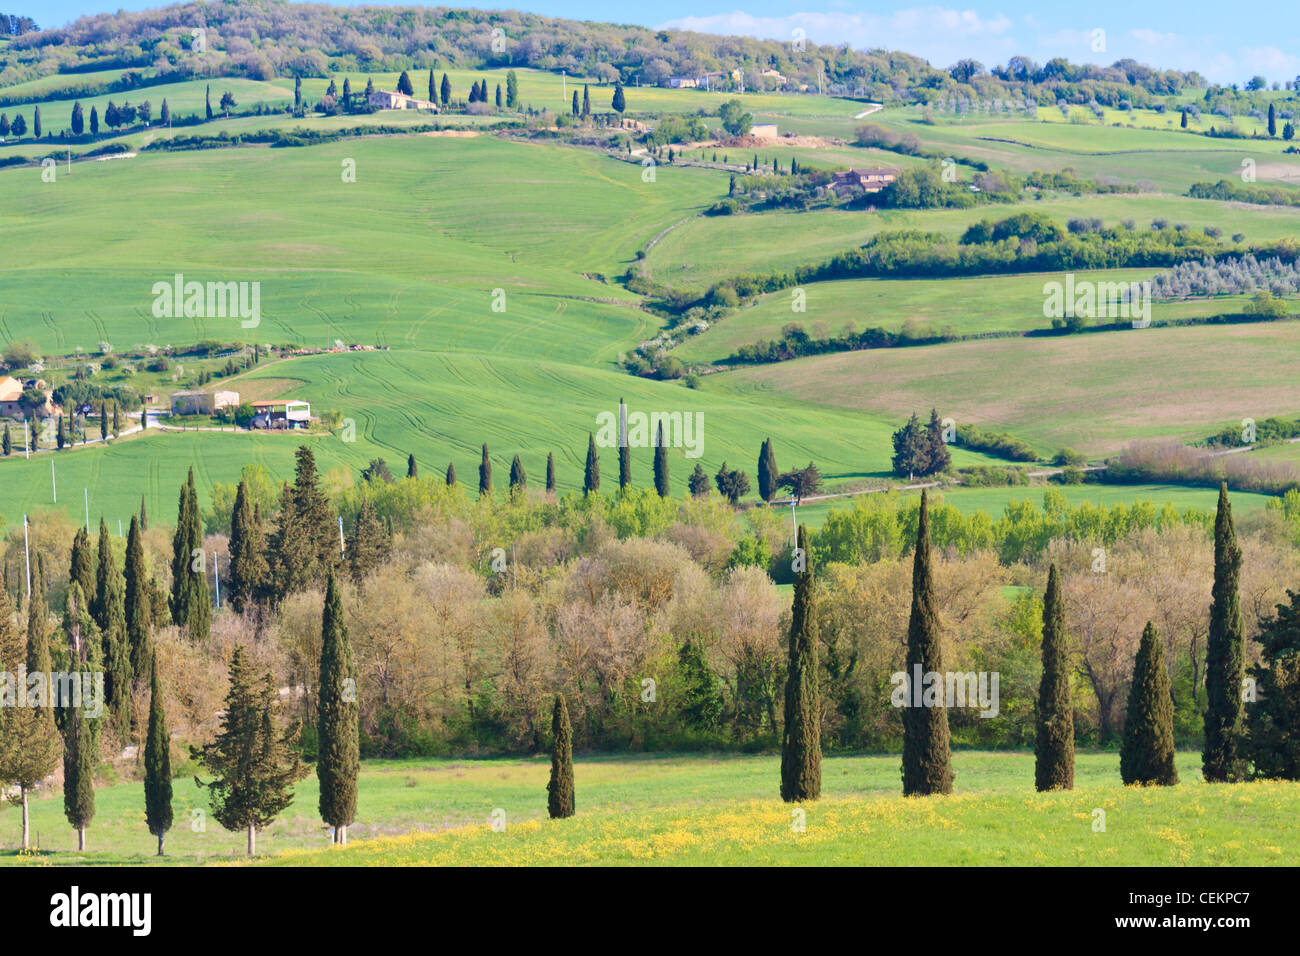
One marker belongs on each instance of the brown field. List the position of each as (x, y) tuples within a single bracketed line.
[(1093, 392)]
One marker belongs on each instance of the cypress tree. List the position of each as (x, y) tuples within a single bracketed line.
[(939, 459), (30, 745), (337, 719), (82, 569), (411, 471), (157, 765), (1146, 755), (190, 602), (445, 90), (433, 87), (137, 604), (485, 474), (518, 477), (661, 465), (1224, 655), (8, 445), (591, 474), (79, 747), (370, 542), (586, 101), (207, 99), (619, 102), (311, 509), (1272, 743), (1054, 741), (927, 760), (451, 473), (253, 766), (247, 576), (109, 611), (144, 516), (698, 482), (61, 436), (103, 421), (767, 471), (624, 466), (117, 420), (550, 472), (575, 108), (801, 746), (559, 801)]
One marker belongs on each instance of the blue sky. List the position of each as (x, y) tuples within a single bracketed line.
[(1225, 43)]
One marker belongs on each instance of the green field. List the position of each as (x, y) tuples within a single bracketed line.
[(1093, 392), (985, 304), (715, 810)]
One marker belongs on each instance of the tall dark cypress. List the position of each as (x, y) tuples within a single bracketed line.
[(550, 472), (451, 473), (144, 515), (801, 742), (624, 466), (109, 611), (1225, 651), (559, 801), (337, 721), (1054, 741), (1146, 754), (82, 569), (662, 484), (485, 474), (927, 758), (247, 577), (518, 477), (767, 471), (411, 470), (591, 474), (137, 604), (79, 746), (157, 765)]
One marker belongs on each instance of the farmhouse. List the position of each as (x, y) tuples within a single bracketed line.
[(871, 180), (390, 100), (281, 413), (773, 74), (683, 82), (202, 403), (11, 392)]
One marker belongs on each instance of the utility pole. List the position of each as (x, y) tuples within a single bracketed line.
[(216, 576), (341, 555), (27, 553)]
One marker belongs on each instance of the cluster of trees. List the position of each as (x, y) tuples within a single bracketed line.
[(920, 450), (1229, 191), (244, 39), (919, 254), (1229, 275), (1156, 460), (1239, 742)]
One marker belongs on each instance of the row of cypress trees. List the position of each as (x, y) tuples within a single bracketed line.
[(1147, 747)]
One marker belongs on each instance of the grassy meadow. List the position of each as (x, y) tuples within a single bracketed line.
[(712, 810)]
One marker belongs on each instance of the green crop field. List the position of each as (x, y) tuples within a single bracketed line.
[(986, 304), (713, 811), (1093, 392)]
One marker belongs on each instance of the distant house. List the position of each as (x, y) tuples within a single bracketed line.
[(281, 413), (389, 100), (683, 82), (773, 74), (870, 180), (763, 131), (202, 403), (11, 393)]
